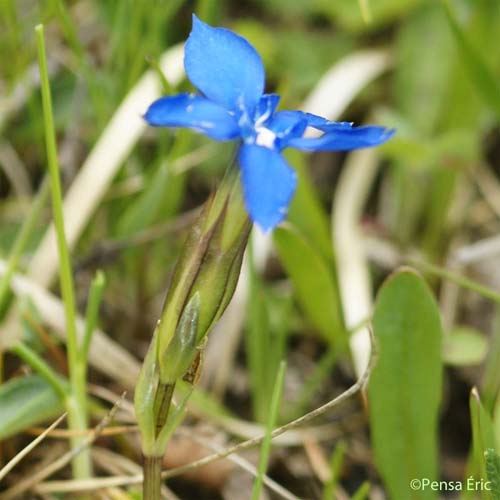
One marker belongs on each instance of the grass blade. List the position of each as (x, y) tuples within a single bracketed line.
[(266, 444), (77, 414), (92, 313)]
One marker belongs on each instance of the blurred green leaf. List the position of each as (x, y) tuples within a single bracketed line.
[(382, 12), (143, 210), (27, 401), (405, 386), (424, 51), (313, 282), (266, 328), (485, 81), (306, 212), (464, 346)]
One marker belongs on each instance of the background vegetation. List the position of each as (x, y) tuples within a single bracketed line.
[(430, 199)]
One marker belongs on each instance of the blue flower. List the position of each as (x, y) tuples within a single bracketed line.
[(229, 73)]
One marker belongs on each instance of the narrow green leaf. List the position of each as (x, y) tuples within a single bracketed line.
[(265, 449), (143, 210), (92, 313), (484, 80), (25, 402), (336, 462), (306, 212), (483, 437), (266, 327), (405, 387), (362, 492), (313, 281), (493, 472)]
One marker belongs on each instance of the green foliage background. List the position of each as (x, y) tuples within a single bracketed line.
[(436, 192)]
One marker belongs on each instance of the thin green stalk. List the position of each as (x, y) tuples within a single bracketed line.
[(271, 422), (38, 364), (152, 478), (20, 243), (91, 314), (458, 279), (336, 462), (362, 492), (151, 485), (77, 403)]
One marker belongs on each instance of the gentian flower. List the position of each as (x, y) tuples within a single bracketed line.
[(230, 75)]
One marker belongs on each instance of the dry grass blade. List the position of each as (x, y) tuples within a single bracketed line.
[(102, 164), (61, 462), (96, 483), (14, 169), (14, 461), (336, 90), (67, 434), (352, 264), (244, 464)]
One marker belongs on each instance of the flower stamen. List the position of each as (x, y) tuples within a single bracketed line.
[(265, 137)]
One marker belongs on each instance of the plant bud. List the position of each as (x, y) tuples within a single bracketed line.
[(207, 272)]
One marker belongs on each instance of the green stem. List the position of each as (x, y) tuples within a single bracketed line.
[(91, 314), (152, 478), (77, 414), (152, 463), (458, 279)]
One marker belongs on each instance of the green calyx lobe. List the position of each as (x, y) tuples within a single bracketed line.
[(205, 277)]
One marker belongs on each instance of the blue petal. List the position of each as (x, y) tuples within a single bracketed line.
[(224, 67), (266, 107), (268, 184), (193, 111), (344, 139), (323, 124), (287, 125)]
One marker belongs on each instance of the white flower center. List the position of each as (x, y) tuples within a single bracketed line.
[(265, 137)]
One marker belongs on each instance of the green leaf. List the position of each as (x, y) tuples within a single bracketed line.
[(478, 71), (483, 437), (143, 210), (25, 402), (266, 327), (420, 82), (405, 387), (493, 472), (313, 281), (306, 212), (464, 347)]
